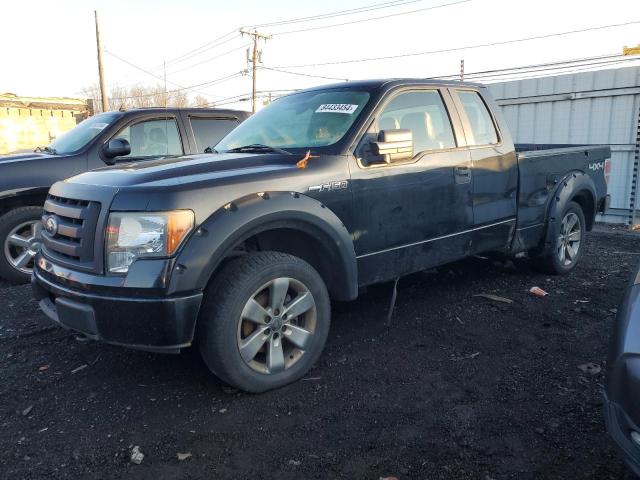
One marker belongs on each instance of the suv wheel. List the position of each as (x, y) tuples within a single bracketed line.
[(20, 234), (569, 237), (264, 321)]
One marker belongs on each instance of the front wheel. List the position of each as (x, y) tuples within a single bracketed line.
[(20, 234), (264, 321), (568, 239)]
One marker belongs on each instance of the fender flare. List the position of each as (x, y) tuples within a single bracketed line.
[(12, 197), (247, 216), (571, 184)]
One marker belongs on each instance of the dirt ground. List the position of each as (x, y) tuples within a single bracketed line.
[(456, 387)]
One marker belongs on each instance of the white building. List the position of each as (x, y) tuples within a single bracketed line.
[(598, 107)]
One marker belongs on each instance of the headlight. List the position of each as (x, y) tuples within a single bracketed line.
[(143, 235)]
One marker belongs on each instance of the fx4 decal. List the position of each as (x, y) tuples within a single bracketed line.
[(338, 185)]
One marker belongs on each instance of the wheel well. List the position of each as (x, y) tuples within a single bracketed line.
[(586, 202), (300, 244), (25, 200)]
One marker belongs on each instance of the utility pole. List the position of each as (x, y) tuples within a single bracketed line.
[(103, 88), (462, 70), (255, 57), (164, 66)]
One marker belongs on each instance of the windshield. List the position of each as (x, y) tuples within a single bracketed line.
[(80, 135), (301, 120)]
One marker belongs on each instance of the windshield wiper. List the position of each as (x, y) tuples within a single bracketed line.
[(210, 150), (257, 148)]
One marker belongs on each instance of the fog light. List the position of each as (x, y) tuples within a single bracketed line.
[(635, 436)]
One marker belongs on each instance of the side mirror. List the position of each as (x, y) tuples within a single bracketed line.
[(116, 147), (394, 145)]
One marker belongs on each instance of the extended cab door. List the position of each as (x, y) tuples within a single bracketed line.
[(495, 170), (412, 215)]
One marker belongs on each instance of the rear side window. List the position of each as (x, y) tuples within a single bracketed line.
[(483, 130), (209, 131)]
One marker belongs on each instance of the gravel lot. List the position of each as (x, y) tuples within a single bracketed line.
[(457, 387)]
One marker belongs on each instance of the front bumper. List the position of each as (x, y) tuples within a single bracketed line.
[(620, 426), (154, 323)]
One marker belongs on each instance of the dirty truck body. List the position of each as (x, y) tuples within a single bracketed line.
[(319, 194)]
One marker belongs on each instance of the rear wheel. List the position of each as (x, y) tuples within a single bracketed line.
[(264, 321), (20, 234), (568, 238)]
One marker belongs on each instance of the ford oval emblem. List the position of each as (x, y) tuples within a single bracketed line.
[(51, 225)]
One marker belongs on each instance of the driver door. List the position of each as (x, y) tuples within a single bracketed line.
[(413, 215), (151, 138)]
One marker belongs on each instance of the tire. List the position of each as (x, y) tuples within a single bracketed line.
[(246, 320), (19, 242), (557, 260)]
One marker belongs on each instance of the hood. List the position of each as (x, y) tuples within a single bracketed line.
[(22, 157), (187, 169)]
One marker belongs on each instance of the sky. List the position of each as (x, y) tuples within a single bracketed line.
[(49, 47)]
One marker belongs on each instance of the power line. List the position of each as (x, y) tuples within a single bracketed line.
[(585, 66), (523, 67), (373, 18), (351, 11), (198, 50), (140, 68), (577, 68), (467, 47), (210, 59), (304, 74), (211, 82)]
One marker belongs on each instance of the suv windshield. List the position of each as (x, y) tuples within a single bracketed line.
[(80, 135), (306, 119)]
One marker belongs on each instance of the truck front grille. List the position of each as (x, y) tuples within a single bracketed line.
[(70, 228)]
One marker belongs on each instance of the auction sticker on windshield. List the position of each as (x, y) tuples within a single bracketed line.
[(337, 108)]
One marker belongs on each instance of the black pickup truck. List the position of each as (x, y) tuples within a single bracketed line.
[(138, 134), (319, 194)]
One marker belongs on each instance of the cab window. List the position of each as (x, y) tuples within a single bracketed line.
[(424, 113), (152, 138), (209, 131), (483, 130)]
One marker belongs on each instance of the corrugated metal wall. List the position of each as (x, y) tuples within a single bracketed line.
[(601, 107)]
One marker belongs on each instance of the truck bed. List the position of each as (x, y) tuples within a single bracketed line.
[(542, 166)]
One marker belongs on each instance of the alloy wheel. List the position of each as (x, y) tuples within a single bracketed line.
[(569, 239), (22, 244), (277, 325)]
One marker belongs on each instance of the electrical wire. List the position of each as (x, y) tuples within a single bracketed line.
[(209, 83), (141, 69), (303, 74), (189, 67), (351, 11), (384, 17), (454, 49), (198, 50)]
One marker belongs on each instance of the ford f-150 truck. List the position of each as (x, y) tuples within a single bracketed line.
[(319, 194), (138, 134)]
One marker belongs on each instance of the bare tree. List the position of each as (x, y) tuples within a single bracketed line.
[(201, 101), (140, 96)]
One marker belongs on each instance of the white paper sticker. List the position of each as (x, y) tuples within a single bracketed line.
[(99, 126), (337, 108)]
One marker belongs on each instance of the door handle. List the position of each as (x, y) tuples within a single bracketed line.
[(462, 174)]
